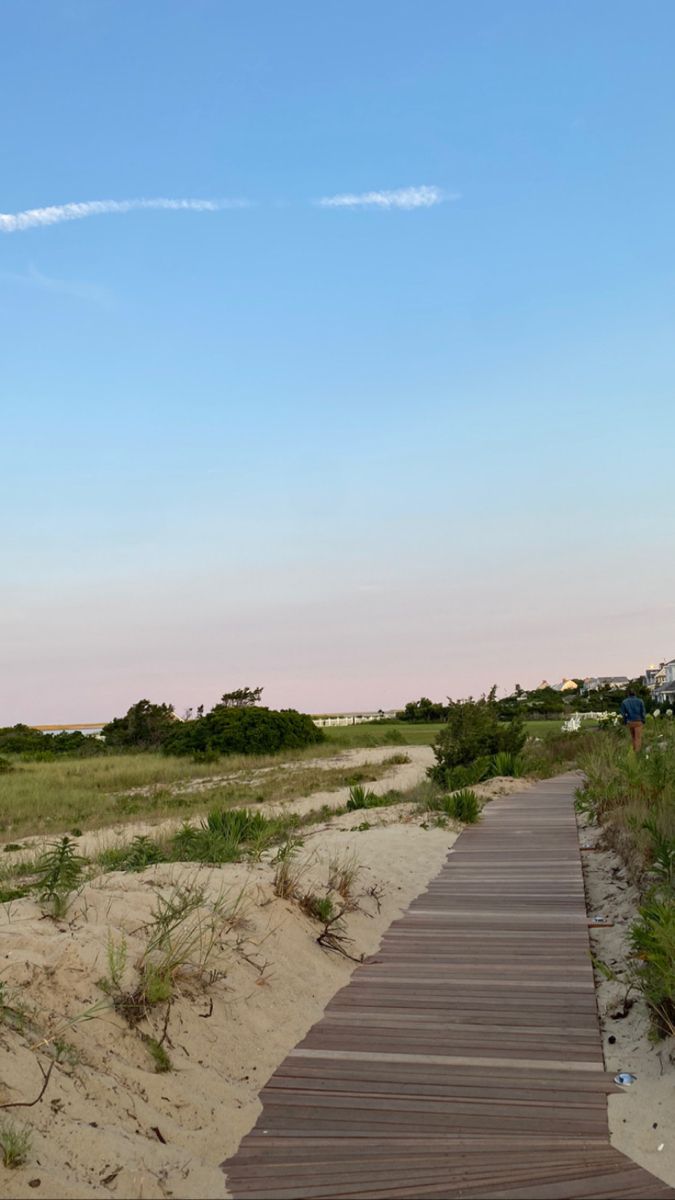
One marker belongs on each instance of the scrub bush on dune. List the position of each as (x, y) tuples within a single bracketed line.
[(474, 731), (242, 731)]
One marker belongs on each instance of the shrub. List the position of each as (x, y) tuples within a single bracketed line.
[(242, 731), (462, 777), (5, 766), (473, 730)]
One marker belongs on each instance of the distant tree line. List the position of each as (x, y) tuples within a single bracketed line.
[(543, 703), (21, 739), (238, 724)]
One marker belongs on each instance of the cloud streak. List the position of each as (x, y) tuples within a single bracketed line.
[(56, 213), (407, 198)]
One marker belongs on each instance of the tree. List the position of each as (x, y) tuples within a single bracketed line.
[(545, 702), (423, 710), (241, 698), (144, 727)]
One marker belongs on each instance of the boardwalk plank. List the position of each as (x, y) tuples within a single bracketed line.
[(463, 1059)]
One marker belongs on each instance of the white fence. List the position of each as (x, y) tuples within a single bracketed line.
[(352, 718)]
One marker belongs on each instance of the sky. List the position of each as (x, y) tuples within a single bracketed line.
[(387, 409)]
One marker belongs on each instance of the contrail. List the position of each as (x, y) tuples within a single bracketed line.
[(55, 213), (410, 197)]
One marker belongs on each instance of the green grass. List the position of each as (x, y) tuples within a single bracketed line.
[(376, 733), (543, 728), (64, 795), (15, 1144), (383, 733)]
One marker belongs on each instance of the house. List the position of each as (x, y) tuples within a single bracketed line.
[(664, 692), (594, 682), (655, 675), (567, 685)]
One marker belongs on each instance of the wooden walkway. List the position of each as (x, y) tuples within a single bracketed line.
[(464, 1059)]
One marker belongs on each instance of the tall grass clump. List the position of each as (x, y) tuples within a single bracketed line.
[(15, 1144), (229, 834), (632, 796), (653, 945), (463, 805)]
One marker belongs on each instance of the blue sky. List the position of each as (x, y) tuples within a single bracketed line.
[(358, 453)]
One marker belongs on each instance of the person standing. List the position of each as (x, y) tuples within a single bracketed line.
[(634, 716)]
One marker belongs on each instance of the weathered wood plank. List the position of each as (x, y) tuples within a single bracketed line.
[(464, 1058)]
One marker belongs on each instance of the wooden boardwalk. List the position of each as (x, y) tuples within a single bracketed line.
[(463, 1059)]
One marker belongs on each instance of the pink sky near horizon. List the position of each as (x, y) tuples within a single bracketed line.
[(366, 649)]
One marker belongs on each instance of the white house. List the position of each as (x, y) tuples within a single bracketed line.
[(655, 675), (664, 691)]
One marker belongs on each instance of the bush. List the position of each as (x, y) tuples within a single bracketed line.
[(242, 731), (5, 766), (463, 777), (473, 731)]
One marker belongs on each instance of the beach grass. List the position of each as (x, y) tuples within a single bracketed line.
[(71, 795)]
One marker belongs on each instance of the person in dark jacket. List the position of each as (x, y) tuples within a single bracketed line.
[(634, 716)]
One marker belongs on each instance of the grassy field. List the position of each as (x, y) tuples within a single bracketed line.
[(406, 733), (86, 793), (542, 728), (379, 733), (70, 794)]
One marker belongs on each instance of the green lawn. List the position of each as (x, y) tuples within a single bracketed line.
[(380, 733), (543, 728)]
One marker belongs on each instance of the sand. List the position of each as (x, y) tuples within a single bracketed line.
[(108, 1124), (642, 1117)]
